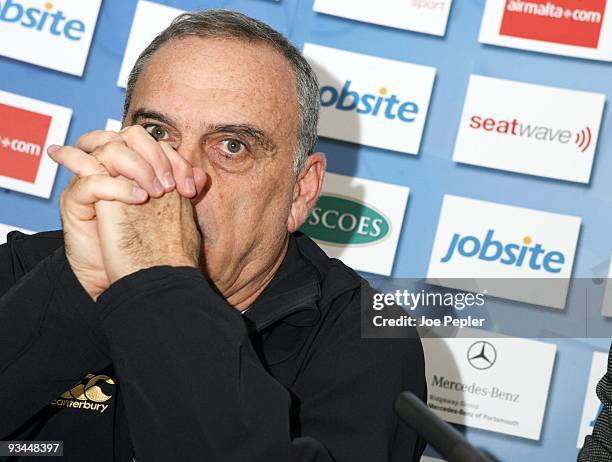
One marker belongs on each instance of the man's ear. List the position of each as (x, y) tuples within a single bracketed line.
[(306, 190)]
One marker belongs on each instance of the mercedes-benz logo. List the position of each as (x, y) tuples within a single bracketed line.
[(481, 355)]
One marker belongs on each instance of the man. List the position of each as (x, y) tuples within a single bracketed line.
[(598, 446), (181, 315)]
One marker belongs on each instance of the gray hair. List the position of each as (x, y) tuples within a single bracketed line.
[(233, 25)]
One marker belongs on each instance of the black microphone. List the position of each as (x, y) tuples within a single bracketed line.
[(446, 440)]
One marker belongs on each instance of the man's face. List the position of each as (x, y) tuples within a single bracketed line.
[(230, 108)]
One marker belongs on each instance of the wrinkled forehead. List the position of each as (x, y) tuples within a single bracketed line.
[(203, 80)]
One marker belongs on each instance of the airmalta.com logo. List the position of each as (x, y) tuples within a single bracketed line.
[(22, 137), (45, 19), (90, 394), (580, 138), (569, 22), (27, 127), (578, 28), (21, 146), (342, 220)]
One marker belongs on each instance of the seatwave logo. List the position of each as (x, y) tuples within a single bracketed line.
[(341, 220), (527, 128), (514, 127), (47, 19), (524, 254), (382, 104)]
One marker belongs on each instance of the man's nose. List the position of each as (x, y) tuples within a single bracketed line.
[(193, 152), (188, 151), (197, 166)]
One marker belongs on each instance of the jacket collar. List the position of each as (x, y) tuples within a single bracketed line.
[(291, 296)]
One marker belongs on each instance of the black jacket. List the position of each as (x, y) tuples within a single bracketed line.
[(164, 368), (598, 446)]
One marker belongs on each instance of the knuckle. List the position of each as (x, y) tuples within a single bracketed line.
[(100, 170), (94, 137), (133, 132), (115, 137), (107, 151), (91, 182), (85, 136), (139, 140)]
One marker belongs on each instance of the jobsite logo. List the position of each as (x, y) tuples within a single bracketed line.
[(523, 253), (479, 240), (47, 19), (370, 100), (382, 104), (569, 22), (53, 34), (22, 138), (582, 138)]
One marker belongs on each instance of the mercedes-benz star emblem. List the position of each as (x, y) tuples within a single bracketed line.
[(481, 355)]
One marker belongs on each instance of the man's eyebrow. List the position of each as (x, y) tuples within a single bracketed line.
[(148, 114), (246, 130)]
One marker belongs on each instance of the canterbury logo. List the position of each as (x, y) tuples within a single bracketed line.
[(90, 391), (87, 394)]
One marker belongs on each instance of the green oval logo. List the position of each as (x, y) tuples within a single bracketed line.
[(342, 220)]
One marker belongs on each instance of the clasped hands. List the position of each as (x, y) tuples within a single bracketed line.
[(128, 207)]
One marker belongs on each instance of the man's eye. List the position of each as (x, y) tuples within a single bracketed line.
[(233, 147), (157, 132)]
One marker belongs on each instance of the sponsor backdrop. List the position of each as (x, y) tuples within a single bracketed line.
[(465, 139)]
